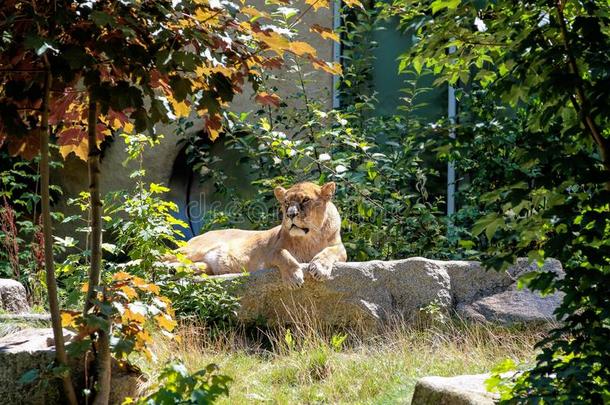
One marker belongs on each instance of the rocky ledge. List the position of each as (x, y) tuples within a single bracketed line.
[(33, 351), (371, 293)]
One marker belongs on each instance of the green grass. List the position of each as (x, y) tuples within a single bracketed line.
[(308, 368)]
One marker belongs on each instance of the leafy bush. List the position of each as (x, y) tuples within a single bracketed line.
[(207, 300), (383, 165), (21, 239), (177, 386), (550, 196), (129, 303)]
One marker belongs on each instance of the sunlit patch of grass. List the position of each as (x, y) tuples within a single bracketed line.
[(301, 364)]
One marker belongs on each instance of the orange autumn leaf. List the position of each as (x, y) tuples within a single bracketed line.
[(353, 3), (153, 288), (326, 33), (302, 48), (333, 68), (318, 4), (253, 12), (121, 276), (181, 108), (144, 337), (85, 287), (128, 291), (213, 126), (130, 315), (165, 322), (265, 98), (274, 41), (138, 281), (75, 140), (68, 318)]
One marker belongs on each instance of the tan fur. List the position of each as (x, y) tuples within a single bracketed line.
[(283, 247)]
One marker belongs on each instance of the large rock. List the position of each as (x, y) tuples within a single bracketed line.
[(364, 294), (370, 293), (33, 349), (471, 281), (459, 390), (513, 307), (510, 305), (13, 297)]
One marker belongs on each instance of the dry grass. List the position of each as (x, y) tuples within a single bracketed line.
[(308, 368)]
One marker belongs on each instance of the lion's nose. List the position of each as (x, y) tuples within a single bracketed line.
[(292, 212)]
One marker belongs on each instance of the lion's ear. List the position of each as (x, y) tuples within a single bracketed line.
[(279, 192), (328, 190)]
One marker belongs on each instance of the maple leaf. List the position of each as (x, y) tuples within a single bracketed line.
[(253, 13), (302, 48), (265, 98), (213, 125), (59, 106), (68, 318), (274, 41), (326, 33), (74, 140), (166, 322), (118, 120), (130, 315), (26, 146), (129, 291), (333, 68), (121, 276), (181, 108), (318, 4), (353, 3), (273, 63)]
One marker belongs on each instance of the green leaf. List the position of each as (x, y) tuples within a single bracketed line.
[(28, 377), (101, 19), (442, 4)]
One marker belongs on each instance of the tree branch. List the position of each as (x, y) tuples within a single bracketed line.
[(581, 103)]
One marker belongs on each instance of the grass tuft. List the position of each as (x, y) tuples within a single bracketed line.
[(307, 362)]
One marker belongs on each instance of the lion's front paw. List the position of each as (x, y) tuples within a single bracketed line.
[(319, 270), (294, 279)]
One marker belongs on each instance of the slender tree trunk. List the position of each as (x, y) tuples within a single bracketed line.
[(47, 228), (581, 102), (95, 270)]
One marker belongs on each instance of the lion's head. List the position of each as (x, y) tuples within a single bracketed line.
[(304, 206)]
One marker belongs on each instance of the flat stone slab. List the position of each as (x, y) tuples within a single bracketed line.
[(458, 390), (513, 307)]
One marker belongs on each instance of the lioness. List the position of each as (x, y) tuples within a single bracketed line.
[(309, 233)]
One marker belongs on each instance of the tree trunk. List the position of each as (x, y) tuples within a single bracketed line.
[(95, 270), (581, 102), (47, 228)]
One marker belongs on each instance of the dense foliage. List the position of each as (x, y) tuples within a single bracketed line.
[(22, 253), (550, 198), (382, 165)]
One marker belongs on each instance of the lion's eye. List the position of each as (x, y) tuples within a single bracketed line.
[(306, 200)]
